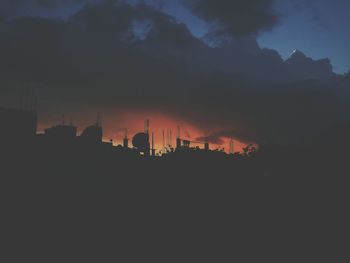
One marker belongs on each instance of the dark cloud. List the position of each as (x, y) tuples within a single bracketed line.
[(135, 58), (43, 8), (236, 17), (44, 3)]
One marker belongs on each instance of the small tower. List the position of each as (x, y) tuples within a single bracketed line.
[(126, 140), (171, 139), (232, 147), (153, 150), (163, 141), (178, 137)]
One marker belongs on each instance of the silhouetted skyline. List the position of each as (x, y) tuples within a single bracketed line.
[(130, 61), (114, 115)]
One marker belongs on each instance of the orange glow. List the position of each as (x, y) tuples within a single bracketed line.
[(134, 122), (114, 126)]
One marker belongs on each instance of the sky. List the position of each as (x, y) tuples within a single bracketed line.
[(317, 28), (222, 69)]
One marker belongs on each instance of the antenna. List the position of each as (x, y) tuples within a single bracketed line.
[(126, 133), (206, 144), (152, 141), (147, 125), (126, 140), (163, 140), (153, 150), (167, 138), (178, 139), (232, 149)]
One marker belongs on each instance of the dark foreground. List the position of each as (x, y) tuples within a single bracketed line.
[(64, 207)]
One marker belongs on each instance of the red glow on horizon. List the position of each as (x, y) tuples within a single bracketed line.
[(114, 126)]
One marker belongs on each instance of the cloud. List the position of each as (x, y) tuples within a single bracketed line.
[(42, 8), (124, 58), (236, 17)]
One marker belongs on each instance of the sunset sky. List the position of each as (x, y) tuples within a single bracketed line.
[(253, 71)]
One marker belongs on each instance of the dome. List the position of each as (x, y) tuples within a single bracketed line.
[(92, 134), (141, 142)]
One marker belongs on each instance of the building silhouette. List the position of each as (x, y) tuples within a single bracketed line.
[(19, 129)]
